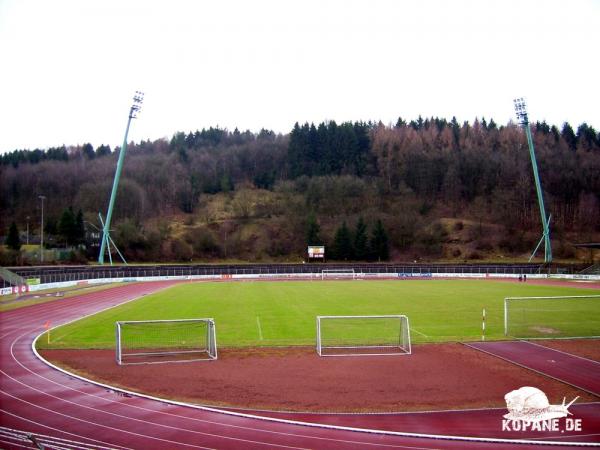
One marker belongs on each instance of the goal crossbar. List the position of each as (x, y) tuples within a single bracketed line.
[(160, 341), (552, 317), (363, 335), (325, 273)]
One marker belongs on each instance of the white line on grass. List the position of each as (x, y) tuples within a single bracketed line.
[(260, 336), (418, 332)]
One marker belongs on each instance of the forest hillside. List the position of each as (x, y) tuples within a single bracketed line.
[(428, 189)]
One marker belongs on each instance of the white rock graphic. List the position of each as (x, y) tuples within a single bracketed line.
[(530, 404)]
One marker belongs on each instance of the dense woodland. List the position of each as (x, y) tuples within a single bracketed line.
[(428, 188)]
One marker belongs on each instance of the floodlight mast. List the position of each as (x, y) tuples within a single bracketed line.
[(521, 110), (135, 109)]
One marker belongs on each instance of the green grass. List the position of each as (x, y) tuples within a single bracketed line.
[(554, 318), (283, 313)]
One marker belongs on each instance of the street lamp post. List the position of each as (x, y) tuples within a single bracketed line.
[(27, 238), (42, 198)]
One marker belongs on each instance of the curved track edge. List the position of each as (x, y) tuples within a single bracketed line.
[(257, 416)]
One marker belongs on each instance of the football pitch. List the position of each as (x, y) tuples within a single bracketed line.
[(283, 313)]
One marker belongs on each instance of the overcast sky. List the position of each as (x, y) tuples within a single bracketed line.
[(69, 68)]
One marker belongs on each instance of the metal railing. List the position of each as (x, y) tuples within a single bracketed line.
[(12, 438), (594, 269), (55, 274), (10, 278)]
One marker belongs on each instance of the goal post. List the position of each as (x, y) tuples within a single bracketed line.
[(558, 317), (160, 341), (337, 274), (363, 335)]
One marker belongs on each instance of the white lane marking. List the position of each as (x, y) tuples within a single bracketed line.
[(260, 336), (33, 405), (418, 332), (276, 433), (562, 351), (289, 422), (121, 416), (52, 439)]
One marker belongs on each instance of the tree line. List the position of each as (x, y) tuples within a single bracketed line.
[(348, 245), (68, 231), (406, 175)]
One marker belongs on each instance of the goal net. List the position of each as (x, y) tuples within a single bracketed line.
[(552, 317), (159, 341), (362, 335), (336, 274)]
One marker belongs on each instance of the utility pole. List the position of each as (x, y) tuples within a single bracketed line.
[(42, 198), (521, 110), (138, 98)]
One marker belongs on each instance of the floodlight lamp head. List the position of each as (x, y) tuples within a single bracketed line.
[(521, 110), (138, 99)]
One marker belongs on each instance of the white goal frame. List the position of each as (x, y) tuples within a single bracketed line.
[(337, 273), (402, 347), (507, 301), (204, 353)]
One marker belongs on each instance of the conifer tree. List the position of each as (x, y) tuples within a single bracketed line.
[(67, 226), (342, 244), (361, 241), (79, 234), (13, 241), (312, 231), (380, 242)]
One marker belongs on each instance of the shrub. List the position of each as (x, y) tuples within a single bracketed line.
[(475, 255), (203, 242), (484, 245), (181, 250), (564, 250)]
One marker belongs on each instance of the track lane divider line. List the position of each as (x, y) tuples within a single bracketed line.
[(325, 426)]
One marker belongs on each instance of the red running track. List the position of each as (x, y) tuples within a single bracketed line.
[(38, 399), (575, 370)]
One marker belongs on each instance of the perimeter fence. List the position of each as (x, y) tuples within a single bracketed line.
[(57, 274)]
